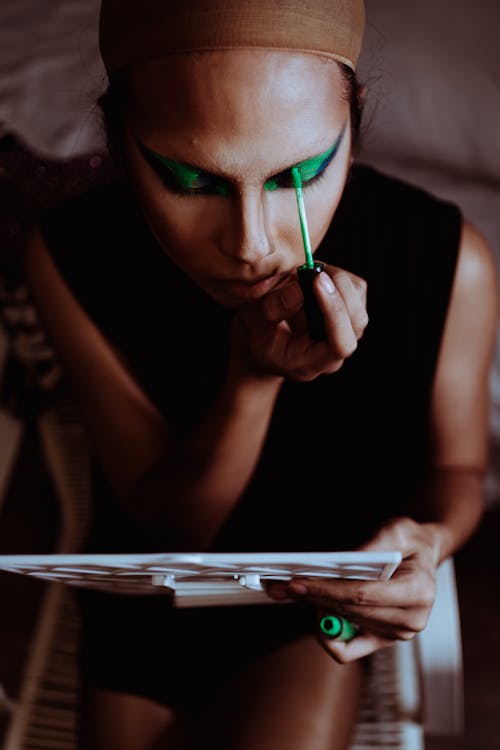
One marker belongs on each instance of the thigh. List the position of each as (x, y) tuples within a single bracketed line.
[(176, 657), (296, 697), (121, 721)]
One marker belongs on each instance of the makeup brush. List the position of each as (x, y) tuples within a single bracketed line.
[(309, 270)]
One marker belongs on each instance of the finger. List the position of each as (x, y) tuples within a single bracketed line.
[(400, 533), (298, 323), (353, 292), (282, 303), (411, 589), (362, 287), (363, 645), (391, 622), (340, 628), (338, 326)]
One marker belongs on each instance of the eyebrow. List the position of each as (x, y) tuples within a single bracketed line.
[(318, 161)]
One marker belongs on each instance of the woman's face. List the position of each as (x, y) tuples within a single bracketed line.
[(211, 140)]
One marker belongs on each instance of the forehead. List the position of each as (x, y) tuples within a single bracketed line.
[(236, 95)]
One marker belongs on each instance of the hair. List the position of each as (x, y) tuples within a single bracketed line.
[(114, 101)]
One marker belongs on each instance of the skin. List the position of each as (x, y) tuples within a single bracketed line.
[(242, 247), (246, 116), (194, 180)]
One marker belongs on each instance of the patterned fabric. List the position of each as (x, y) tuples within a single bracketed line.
[(29, 183)]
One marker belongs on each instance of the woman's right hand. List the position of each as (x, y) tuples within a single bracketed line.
[(270, 335)]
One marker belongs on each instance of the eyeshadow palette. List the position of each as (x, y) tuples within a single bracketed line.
[(197, 579)]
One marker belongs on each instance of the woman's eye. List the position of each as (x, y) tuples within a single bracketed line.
[(182, 179), (191, 184), (310, 171), (197, 187), (285, 180)]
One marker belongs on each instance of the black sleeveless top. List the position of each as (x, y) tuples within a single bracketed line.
[(343, 452)]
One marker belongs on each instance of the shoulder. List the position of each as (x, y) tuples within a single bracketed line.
[(476, 280)]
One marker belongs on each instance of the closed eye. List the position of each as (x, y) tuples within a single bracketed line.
[(183, 179), (285, 180), (310, 170)]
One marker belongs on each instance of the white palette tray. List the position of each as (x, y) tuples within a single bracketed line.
[(200, 579)]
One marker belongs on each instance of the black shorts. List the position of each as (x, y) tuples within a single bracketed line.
[(177, 657)]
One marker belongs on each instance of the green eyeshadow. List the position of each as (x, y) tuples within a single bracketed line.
[(307, 169), (182, 175)]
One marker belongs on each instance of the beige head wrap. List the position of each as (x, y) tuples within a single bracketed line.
[(134, 30)]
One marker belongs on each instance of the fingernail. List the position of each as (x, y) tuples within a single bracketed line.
[(297, 589), (326, 283), (277, 591), (290, 296)]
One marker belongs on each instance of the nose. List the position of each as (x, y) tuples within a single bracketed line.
[(247, 236)]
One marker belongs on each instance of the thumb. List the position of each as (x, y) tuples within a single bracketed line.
[(387, 538)]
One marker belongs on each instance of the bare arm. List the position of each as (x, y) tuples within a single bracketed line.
[(452, 501), (188, 488), (454, 495)]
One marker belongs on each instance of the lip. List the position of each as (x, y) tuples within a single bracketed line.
[(251, 290)]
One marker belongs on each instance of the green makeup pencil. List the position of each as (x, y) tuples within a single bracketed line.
[(338, 628)]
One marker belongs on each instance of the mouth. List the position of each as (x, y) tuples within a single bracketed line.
[(246, 291)]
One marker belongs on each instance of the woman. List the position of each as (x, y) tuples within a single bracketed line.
[(172, 299)]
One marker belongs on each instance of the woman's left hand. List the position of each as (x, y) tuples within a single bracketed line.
[(384, 611)]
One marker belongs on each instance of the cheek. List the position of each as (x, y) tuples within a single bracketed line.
[(185, 228), (182, 226), (181, 223)]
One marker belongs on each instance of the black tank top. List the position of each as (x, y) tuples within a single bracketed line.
[(345, 451)]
